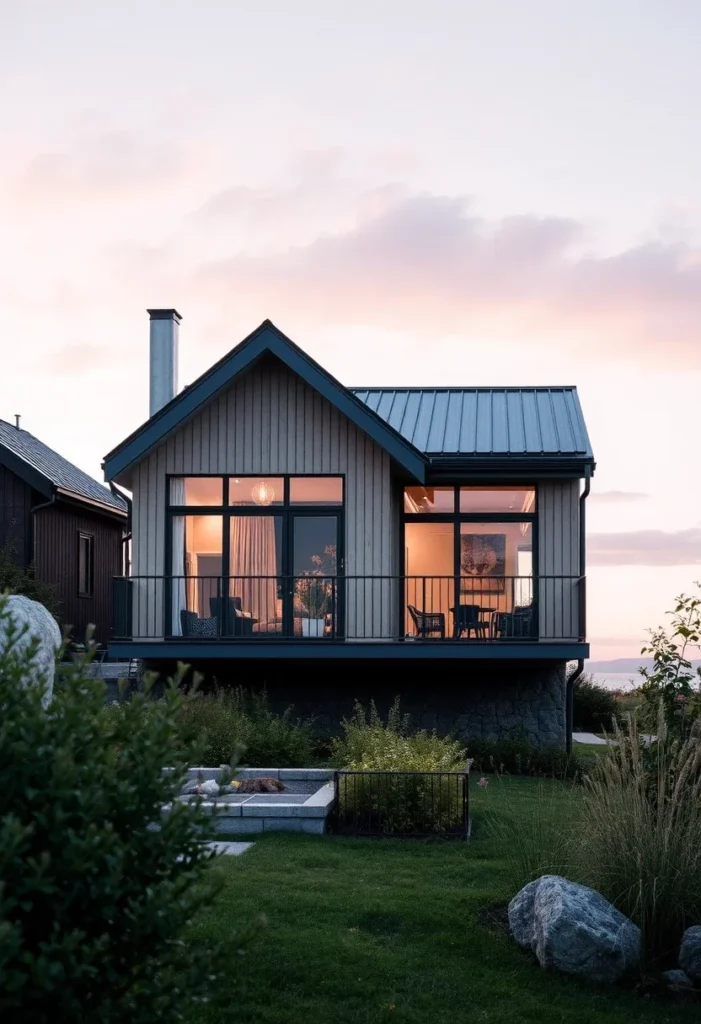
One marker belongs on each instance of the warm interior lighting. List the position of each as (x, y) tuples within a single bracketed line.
[(263, 493)]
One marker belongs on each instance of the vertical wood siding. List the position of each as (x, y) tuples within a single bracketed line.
[(15, 514), (271, 422), (558, 547), (56, 554)]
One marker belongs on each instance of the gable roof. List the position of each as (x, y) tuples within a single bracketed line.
[(49, 473), (265, 340), (488, 422)]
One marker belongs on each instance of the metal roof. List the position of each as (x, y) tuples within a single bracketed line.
[(57, 472), (484, 421)]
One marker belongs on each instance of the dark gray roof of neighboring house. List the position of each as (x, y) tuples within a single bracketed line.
[(484, 421), (41, 463)]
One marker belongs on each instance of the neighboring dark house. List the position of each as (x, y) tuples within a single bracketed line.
[(71, 527)]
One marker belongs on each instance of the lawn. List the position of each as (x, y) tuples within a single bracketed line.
[(384, 930)]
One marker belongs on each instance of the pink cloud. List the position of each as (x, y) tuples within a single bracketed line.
[(427, 263), (645, 547)]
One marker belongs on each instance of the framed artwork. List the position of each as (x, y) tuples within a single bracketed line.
[(483, 560)]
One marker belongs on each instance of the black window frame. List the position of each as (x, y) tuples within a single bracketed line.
[(89, 578), (285, 509), (457, 518)]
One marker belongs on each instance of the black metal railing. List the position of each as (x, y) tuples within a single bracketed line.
[(401, 804), (350, 608)]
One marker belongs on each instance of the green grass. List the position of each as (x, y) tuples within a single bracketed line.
[(588, 749), (365, 931)]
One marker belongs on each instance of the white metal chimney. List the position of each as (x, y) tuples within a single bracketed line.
[(163, 341)]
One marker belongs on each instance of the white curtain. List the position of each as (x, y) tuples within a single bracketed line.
[(253, 554), (178, 567)]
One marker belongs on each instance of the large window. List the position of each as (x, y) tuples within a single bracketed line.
[(254, 556), (468, 559)]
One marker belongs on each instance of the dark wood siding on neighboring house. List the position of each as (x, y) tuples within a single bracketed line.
[(56, 554), (15, 515)]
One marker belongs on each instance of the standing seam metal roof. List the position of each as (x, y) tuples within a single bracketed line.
[(54, 468), (484, 421)]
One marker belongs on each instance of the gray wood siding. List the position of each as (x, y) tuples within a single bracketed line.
[(558, 555), (270, 422)]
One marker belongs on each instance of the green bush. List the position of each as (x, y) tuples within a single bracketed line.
[(595, 707), (97, 887), (640, 842), (236, 725), (15, 579), (520, 757), (673, 681), (395, 802)]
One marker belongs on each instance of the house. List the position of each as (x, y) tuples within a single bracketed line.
[(67, 526), (281, 519)]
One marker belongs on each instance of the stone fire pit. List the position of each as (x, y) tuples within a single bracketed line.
[(300, 801)]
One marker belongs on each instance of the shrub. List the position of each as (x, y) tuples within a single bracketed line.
[(640, 844), (233, 724), (367, 743), (15, 579), (595, 707), (672, 680), (520, 757), (395, 802), (97, 887)]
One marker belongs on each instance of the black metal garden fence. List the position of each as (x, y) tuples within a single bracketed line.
[(403, 804)]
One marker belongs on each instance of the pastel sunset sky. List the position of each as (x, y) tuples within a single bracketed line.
[(421, 193)]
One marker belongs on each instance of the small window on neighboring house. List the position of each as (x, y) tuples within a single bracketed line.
[(85, 564)]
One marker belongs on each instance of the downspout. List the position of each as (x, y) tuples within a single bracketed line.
[(127, 536), (572, 679), (33, 512), (569, 703)]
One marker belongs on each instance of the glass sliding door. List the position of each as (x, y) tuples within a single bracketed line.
[(314, 610)]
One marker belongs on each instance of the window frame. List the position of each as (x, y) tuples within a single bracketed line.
[(457, 518), (285, 510), (89, 591)]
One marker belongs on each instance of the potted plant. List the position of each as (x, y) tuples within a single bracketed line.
[(315, 589)]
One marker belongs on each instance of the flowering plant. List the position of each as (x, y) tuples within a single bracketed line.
[(315, 587)]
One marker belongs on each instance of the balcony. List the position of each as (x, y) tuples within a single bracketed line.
[(460, 616)]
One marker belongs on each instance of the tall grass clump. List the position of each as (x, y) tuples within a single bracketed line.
[(640, 844), (234, 725)]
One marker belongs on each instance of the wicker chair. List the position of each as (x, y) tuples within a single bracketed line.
[(427, 623), (467, 620)]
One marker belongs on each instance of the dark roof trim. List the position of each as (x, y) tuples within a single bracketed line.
[(31, 476), (46, 487), (81, 499), (266, 339), (532, 467)]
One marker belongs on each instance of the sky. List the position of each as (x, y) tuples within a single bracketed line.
[(418, 193)]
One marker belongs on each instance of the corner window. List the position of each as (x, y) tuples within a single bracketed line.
[(426, 500), (86, 564), (497, 499)]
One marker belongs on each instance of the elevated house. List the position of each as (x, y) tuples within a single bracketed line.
[(307, 532), (65, 525)]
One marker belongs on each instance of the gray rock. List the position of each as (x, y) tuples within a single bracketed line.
[(37, 624), (573, 929), (521, 915), (678, 980), (207, 788), (690, 953)]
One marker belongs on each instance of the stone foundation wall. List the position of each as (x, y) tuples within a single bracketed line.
[(485, 700)]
